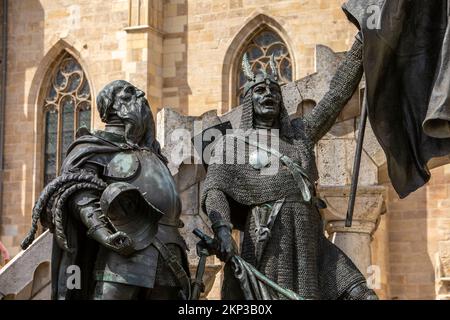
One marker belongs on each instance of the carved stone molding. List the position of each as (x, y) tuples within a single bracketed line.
[(442, 273), (27, 276), (354, 241)]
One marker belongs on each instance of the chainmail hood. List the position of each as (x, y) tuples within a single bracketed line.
[(286, 130)]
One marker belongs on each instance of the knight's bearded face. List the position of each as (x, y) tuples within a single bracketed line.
[(266, 102), (133, 110)]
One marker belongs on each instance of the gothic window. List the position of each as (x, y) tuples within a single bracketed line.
[(259, 50), (67, 108)]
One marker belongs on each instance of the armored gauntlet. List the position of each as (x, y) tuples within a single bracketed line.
[(222, 234), (88, 207)]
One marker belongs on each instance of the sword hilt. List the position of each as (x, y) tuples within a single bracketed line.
[(204, 247), (206, 242)]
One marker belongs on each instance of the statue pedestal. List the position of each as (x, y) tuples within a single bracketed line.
[(356, 240)]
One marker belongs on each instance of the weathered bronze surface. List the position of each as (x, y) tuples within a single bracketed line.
[(406, 60), (284, 253), (115, 209)]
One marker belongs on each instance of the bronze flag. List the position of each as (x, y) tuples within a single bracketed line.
[(406, 63)]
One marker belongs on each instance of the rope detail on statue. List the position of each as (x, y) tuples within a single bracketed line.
[(50, 205)]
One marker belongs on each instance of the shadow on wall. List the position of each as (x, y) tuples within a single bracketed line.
[(25, 50)]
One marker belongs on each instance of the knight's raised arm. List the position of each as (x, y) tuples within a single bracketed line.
[(342, 86)]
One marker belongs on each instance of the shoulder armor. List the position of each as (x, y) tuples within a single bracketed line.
[(124, 165)]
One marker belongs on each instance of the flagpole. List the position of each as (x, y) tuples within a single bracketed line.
[(356, 165)]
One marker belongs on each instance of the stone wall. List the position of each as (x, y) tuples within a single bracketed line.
[(38, 33), (418, 226), (2, 63), (174, 49), (28, 275), (108, 44), (203, 38), (182, 54)]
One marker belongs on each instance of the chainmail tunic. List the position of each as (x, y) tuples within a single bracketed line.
[(297, 256)]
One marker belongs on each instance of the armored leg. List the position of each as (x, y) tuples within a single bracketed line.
[(360, 292), (115, 291)]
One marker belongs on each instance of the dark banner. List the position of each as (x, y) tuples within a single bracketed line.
[(406, 63)]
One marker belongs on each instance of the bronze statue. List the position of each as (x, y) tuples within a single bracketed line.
[(284, 253), (114, 210)]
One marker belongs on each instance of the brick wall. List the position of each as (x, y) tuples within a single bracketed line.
[(182, 53), (416, 225), (199, 34), (38, 32), (174, 49), (2, 62)]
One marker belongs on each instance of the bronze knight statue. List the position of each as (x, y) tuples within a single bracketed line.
[(284, 253), (114, 210)]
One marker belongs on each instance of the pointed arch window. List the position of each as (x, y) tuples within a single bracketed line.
[(67, 108), (259, 49)]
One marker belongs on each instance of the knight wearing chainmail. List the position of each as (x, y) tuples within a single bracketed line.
[(278, 213), (114, 210)]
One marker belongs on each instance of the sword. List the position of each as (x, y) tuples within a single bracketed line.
[(205, 248)]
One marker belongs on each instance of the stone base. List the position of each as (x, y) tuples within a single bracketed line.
[(354, 241)]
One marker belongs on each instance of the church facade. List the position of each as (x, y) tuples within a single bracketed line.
[(186, 56)]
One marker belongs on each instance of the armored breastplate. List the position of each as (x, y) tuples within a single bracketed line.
[(149, 174)]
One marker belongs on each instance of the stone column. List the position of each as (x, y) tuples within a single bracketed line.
[(356, 240), (442, 271)]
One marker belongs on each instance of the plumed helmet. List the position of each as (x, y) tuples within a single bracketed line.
[(255, 79)]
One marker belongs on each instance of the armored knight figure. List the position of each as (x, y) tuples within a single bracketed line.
[(115, 210), (283, 235)]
